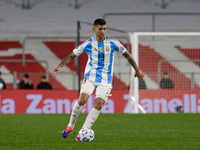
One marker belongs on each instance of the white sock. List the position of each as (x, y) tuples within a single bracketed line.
[(74, 115), (91, 118)]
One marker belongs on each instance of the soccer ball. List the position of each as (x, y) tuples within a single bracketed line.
[(86, 135)]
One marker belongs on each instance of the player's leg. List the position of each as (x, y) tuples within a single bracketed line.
[(102, 94), (94, 113), (75, 113), (86, 91), (77, 109)]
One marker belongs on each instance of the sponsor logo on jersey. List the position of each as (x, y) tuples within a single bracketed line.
[(94, 49)]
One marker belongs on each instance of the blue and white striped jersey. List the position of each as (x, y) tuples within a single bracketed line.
[(99, 67)]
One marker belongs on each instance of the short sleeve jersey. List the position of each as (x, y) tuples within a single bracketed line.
[(99, 67)]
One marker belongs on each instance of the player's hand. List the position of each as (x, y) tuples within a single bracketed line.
[(56, 71), (139, 74)]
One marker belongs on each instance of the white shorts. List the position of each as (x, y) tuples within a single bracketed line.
[(102, 91)]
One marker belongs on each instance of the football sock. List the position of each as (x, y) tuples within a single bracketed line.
[(74, 115), (91, 118)]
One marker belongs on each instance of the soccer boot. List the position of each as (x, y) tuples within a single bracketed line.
[(77, 139), (66, 132)]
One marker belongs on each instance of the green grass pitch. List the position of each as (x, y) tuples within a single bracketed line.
[(112, 132)]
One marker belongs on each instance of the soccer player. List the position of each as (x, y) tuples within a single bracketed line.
[(98, 72)]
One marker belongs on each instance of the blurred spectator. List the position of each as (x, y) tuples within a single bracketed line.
[(166, 82), (26, 83), (2, 83), (44, 84), (142, 84)]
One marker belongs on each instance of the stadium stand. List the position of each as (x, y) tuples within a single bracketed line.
[(153, 61), (5, 45), (12, 50), (192, 54), (59, 17)]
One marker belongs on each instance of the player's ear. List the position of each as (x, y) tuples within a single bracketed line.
[(93, 28)]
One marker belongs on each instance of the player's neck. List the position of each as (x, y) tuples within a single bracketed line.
[(100, 40)]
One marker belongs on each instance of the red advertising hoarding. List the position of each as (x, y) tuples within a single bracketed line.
[(62, 101)]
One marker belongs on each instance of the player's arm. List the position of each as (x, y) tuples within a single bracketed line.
[(66, 60), (130, 59)]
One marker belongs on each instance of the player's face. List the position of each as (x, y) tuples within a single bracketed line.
[(100, 32)]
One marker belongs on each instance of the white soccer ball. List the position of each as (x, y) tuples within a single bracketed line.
[(86, 135)]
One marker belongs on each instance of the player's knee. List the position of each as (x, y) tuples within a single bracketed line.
[(81, 103), (98, 107), (83, 99), (99, 102)]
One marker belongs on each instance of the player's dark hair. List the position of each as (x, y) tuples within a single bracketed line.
[(99, 22)]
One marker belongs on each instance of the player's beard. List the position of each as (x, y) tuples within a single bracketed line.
[(101, 36)]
